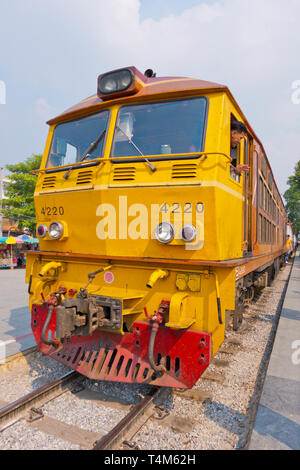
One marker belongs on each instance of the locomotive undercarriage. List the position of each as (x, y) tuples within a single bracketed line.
[(94, 334), (89, 333), (151, 353), (248, 286)]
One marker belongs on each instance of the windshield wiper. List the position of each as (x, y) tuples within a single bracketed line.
[(90, 149), (136, 148), (93, 146)]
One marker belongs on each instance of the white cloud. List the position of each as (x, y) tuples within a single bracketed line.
[(43, 109)]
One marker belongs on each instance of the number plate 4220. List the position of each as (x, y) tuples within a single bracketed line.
[(54, 210), (176, 208)]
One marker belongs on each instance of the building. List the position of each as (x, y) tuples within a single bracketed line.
[(7, 224)]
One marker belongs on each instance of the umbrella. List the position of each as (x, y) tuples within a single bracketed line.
[(25, 237), (33, 240), (12, 241), (3, 239)]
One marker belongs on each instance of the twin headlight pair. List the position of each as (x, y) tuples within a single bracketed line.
[(116, 81), (165, 233), (55, 230)]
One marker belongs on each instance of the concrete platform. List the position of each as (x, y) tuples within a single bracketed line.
[(15, 329), (277, 424)]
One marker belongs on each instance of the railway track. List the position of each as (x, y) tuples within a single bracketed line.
[(219, 410), (13, 412)]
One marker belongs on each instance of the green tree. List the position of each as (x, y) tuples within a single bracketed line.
[(20, 190), (292, 197)]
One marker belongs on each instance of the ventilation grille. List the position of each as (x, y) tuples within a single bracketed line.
[(105, 363), (125, 173), (49, 182), (184, 170), (84, 177)]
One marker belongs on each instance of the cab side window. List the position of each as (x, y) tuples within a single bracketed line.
[(238, 133), (235, 154)]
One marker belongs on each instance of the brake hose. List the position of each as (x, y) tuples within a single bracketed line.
[(160, 369), (45, 327)]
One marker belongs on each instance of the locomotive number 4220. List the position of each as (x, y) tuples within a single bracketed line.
[(52, 210), (175, 208)]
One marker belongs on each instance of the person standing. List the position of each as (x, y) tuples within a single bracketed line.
[(289, 247)]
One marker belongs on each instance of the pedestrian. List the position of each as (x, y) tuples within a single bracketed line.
[(289, 247)]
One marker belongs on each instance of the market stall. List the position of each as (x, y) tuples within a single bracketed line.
[(12, 250)]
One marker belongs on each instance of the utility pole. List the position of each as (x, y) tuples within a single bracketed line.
[(1, 197)]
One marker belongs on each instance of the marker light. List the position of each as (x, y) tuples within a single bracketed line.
[(115, 81), (164, 232), (188, 233), (41, 231), (56, 230)]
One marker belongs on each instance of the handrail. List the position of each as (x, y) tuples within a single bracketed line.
[(74, 165), (138, 158)]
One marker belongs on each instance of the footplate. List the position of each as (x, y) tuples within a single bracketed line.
[(124, 358)]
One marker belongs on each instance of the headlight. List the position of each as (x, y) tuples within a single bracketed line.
[(115, 81), (188, 233), (164, 232), (56, 230), (41, 231), (110, 85)]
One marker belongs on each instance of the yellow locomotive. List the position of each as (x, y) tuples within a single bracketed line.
[(150, 240)]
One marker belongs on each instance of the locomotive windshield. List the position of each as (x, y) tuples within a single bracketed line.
[(160, 128), (72, 141)]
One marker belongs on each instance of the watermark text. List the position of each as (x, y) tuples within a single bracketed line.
[(2, 352), (2, 92), (296, 93), (296, 353), (137, 221)]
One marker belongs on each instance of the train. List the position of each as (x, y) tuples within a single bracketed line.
[(152, 236)]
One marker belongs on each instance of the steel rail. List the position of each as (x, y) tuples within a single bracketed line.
[(113, 437), (27, 401)]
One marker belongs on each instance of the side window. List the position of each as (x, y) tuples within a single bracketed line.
[(264, 166), (260, 228), (236, 152), (237, 158)]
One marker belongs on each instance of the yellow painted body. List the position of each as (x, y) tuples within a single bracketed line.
[(78, 203)]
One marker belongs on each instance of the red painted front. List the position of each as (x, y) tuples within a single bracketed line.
[(123, 358)]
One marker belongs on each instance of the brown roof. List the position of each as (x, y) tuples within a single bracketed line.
[(149, 87), (9, 225)]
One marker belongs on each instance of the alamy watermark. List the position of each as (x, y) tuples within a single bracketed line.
[(296, 353), (2, 352), (296, 93), (136, 221), (2, 92)]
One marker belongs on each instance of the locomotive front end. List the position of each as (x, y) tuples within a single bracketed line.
[(123, 287)]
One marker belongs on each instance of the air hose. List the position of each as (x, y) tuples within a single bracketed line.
[(45, 327), (160, 369)]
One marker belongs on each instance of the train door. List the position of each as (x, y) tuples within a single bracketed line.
[(247, 192)]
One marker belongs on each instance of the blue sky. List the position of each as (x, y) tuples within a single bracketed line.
[(51, 53)]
